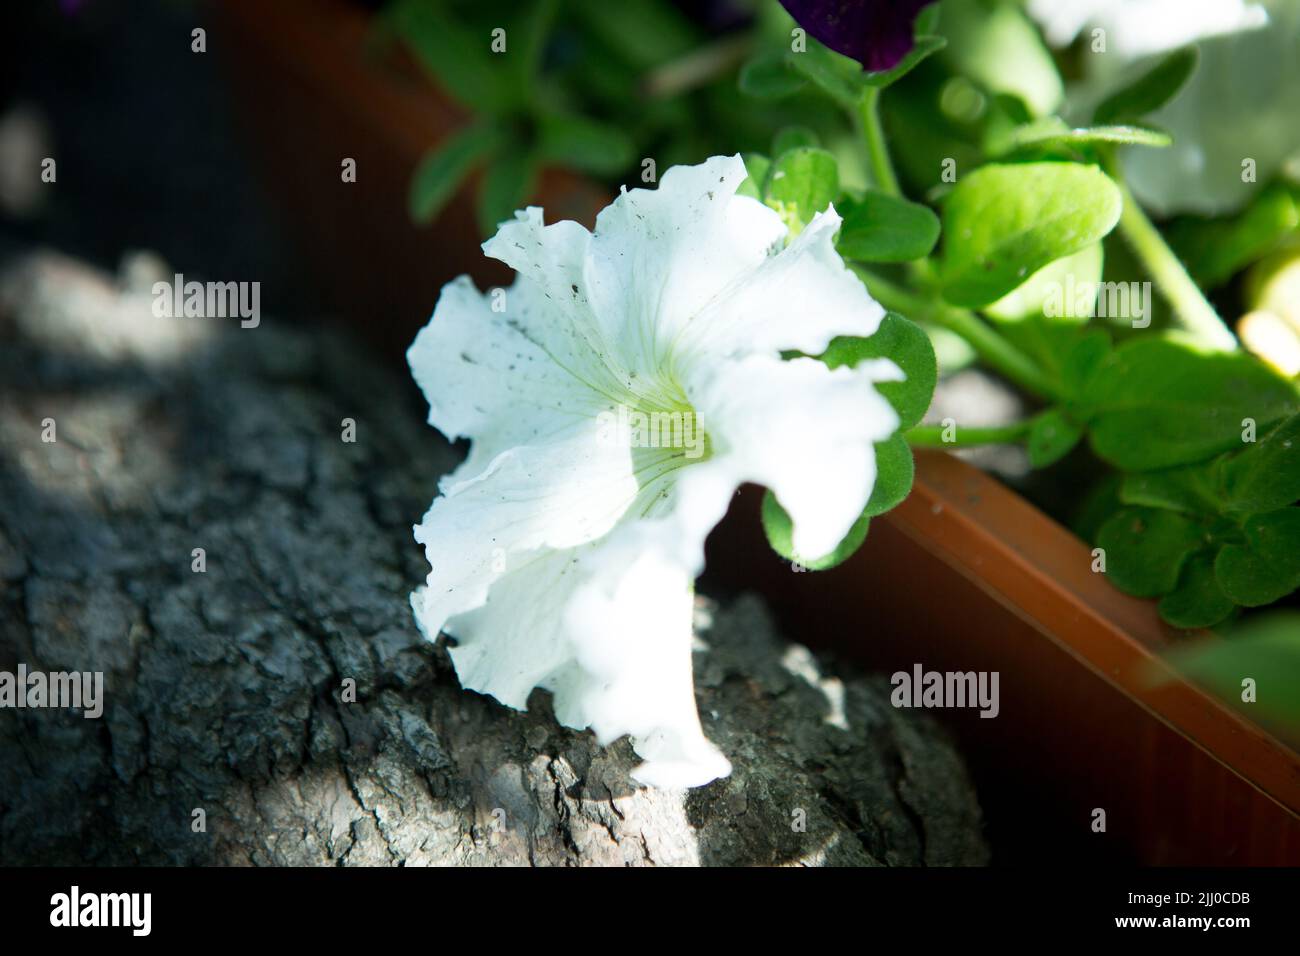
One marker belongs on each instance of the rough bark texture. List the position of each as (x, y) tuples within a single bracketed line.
[(225, 688)]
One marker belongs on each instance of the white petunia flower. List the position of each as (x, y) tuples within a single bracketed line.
[(564, 550)]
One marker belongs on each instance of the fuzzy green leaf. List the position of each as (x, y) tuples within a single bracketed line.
[(1158, 402), (1145, 549), (801, 183), (793, 137), (1198, 601), (1062, 291), (838, 76), (1266, 476), (780, 535), (1053, 135), (460, 60), (757, 165), (768, 77), (895, 471), (506, 188), (1266, 566), (906, 344), (584, 144), (885, 228), (445, 167), (1151, 91), (922, 48), (1002, 223), (1052, 436), (1193, 489)]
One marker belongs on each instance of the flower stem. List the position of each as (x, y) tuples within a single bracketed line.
[(931, 436), (1192, 311), (873, 133), (996, 351)]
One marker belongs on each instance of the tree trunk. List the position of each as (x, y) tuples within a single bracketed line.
[(227, 690)]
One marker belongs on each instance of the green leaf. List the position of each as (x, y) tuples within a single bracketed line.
[(839, 77), (506, 188), (584, 144), (1190, 488), (1266, 566), (1266, 476), (1145, 549), (780, 531), (1151, 91), (922, 48), (895, 470), (1198, 601), (1051, 437), (1053, 135), (885, 228), (1099, 503), (768, 77), (907, 345), (1160, 402), (793, 137), (1064, 290), (644, 33), (528, 34), (1003, 223), (1050, 343), (758, 166), (443, 169), (801, 183), (995, 45), (1214, 250), (1264, 647), (927, 21), (1083, 359), (458, 58)]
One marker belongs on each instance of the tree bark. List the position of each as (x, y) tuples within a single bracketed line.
[(226, 690)]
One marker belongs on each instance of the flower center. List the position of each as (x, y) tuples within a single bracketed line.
[(654, 419)]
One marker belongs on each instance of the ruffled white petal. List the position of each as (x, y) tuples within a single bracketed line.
[(563, 560), (796, 300), (493, 374), (805, 431), (605, 627), (563, 493), (660, 257), (630, 623)]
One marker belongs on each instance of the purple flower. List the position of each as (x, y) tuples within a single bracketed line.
[(876, 33)]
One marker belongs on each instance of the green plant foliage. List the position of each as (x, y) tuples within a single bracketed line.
[(1151, 90), (1266, 565), (908, 347), (1197, 448), (884, 228), (1198, 600), (801, 183), (506, 186), (780, 535), (585, 145), (444, 169), (1002, 223), (1052, 136), (1214, 250), (1053, 435), (1146, 547), (1264, 649), (1154, 403)]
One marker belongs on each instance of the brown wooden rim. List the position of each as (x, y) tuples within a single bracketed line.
[(1043, 573)]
